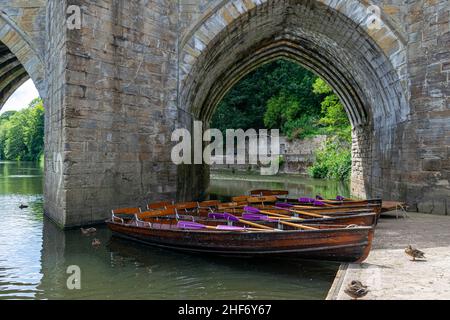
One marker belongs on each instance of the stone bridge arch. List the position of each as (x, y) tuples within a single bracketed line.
[(20, 60), (366, 67)]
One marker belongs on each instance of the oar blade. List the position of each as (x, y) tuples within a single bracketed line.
[(230, 217), (283, 205), (255, 217), (217, 216), (252, 210), (189, 225), (230, 228), (306, 200)]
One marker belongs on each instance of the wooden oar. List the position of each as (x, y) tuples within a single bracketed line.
[(155, 214), (313, 202), (231, 217), (300, 226), (287, 206), (197, 226), (263, 217), (258, 211)]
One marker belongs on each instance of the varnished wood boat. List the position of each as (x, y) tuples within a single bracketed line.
[(334, 203), (342, 212), (264, 192), (360, 218), (335, 216), (331, 206), (388, 206), (341, 244), (363, 219)]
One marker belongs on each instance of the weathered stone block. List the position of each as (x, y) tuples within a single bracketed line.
[(431, 165)]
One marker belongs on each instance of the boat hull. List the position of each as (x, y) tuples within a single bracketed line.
[(340, 245)]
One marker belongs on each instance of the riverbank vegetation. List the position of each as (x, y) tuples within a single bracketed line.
[(22, 133), (283, 95)]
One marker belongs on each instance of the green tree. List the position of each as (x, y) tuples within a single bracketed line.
[(4, 126), (15, 148), (294, 120), (34, 130), (22, 133), (334, 117), (334, 160), (246, 103)]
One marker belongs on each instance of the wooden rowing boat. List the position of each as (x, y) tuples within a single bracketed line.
[(337, 213), (264, 192), (357, 215), (361, 218), (334, 203), (341, 244), (388, 206)]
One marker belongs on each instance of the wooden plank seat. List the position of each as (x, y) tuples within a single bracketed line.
[(147, 215), (124, 213), (206, 207), (265, 193), (209, 204), (262, 200), (240, 199), (159, 205)]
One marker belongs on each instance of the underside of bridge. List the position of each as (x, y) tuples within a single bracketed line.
[(12, 73), (116, 89)]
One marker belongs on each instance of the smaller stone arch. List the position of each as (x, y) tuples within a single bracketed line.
[(331, 38), (19, 60)]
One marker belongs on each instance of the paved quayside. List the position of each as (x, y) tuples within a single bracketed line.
[(390, 273)]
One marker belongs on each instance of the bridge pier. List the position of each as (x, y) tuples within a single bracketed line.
[(111, 110)]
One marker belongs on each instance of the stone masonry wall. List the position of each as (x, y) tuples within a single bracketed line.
[(117, 111), (297, 155), (55, 203), (116, 89)]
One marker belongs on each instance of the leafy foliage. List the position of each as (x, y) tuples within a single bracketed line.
[(334, 161), (282, 88), (283, 95), (334, 117), (22, 133)]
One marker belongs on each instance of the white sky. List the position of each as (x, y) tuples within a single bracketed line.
[(21, 98)]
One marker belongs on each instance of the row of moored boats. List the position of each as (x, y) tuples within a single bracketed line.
[(265, 223)]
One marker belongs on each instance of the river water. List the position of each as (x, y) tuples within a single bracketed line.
[(35, 255)]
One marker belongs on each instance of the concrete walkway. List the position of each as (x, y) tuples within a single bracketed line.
[(390, 273)]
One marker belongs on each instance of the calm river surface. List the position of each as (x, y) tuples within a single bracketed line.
[(35, 255)]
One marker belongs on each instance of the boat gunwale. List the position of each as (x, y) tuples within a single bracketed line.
[(288, 232)]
